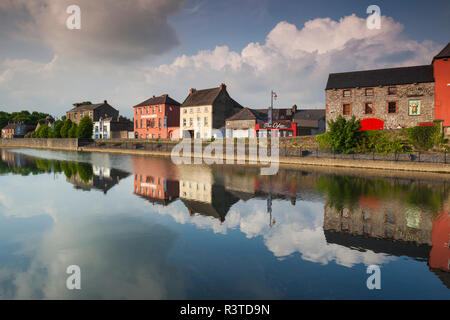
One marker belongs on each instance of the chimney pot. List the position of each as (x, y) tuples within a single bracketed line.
[(223, 86), (192, 90)]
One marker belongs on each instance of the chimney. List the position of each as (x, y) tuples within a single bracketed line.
[(105, 101), (223, 86), (192, 90), (294, 109)]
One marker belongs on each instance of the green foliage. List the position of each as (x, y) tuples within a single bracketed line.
[(343, 135), (43, 132), (57, 129), (425, 137), (72, 133), (28, 118), (382, 142), (323, 141), (85, 171), (65, 128), (85, 128)]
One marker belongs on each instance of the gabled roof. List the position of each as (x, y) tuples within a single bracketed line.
[(248, 114), (380, 77), (163, 99), (11, 126), (203, 97), (88, 107), (445, 53), (310, 114)]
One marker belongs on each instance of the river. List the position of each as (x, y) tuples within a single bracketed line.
[(140, 227)]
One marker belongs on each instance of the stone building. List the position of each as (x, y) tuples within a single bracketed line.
[(384, 98), (8, 130), (205, 110), (93, 111)]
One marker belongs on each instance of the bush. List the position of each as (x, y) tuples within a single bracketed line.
[(343, 135), (85, 128), (65, 128), (323, 141), (72, 133), (425, 137), (57, 129), (382, 142), (43, 132)]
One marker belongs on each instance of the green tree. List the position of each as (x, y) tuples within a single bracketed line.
[(57, 126), (85, 128), (44, 132), (65, 128), (343, 135), (72, 131)]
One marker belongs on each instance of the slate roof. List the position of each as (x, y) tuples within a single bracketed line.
[(204, 97), (380, 77), (87, 107), (11, 126), (445, 53), (248, 114), (163, 99), (309, 114)]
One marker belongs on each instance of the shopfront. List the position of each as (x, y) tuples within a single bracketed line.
[(276, 129)]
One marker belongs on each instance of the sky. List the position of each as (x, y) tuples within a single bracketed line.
[(128, 51)]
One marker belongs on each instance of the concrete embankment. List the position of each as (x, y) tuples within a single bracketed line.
[(298, 162)]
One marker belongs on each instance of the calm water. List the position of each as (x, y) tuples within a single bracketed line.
[(141, 227)]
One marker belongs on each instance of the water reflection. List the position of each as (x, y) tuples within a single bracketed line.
[(323, 217)]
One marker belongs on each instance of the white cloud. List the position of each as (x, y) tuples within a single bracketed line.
[(293, 61)]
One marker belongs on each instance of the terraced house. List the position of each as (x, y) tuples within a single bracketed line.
[(205, 110), (157, 118)]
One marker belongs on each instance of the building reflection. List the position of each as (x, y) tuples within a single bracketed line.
[(155, 179), (89, 177), (392, 223)]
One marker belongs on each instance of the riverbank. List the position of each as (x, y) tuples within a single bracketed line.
[(163, 150)]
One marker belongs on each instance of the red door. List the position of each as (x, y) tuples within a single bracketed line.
[(371, 124)]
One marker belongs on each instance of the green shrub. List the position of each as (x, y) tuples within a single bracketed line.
[(57, 129), (323, 141), (43, 132), (72, 133), (343, 135), (382, 142), (65, 128), (425, 137), (85, 128)]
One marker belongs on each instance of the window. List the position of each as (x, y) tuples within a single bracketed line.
[(148, 109), (141, 110), (392, 91), (184, 110), (154, 109), (368, 108), (191, 110), (191, 122), (369, 92), (184, 122), (206, 109), (137, 124), (159, 123), (141, 125), (206, 121), (198, 109), (347, 93), (346, 109), (136, 111), (392, 107), (160, 108)]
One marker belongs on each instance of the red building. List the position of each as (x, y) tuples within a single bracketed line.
[(441, 66), (157, 118), (155, 179), (276, 129)]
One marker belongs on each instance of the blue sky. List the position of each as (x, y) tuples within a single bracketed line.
[(127, 53)]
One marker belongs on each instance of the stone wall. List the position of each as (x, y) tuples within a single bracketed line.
[(380, 99), (61, 144)]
